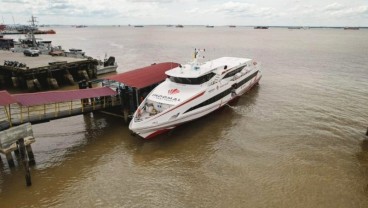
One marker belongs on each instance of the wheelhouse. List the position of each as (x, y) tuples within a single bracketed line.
[(192, 81)]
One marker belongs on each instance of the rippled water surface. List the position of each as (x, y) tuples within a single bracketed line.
[(296, 140)]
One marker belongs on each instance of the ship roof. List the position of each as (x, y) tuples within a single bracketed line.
[(191, 71)]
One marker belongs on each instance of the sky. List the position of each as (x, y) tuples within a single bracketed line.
[(188, 12)]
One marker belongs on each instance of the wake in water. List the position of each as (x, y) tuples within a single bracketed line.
[(232, 107)]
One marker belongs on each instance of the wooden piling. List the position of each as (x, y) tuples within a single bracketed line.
[(30, 84), (24, 158), (15, 81), (10, 160), (52, 82), (366, 132), (30, 154), (16, 151)]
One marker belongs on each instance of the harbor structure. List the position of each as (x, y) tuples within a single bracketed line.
[(120, 96), (40, 107), (17, 141), (43, 71), (133, 86)]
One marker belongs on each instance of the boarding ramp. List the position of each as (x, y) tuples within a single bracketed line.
[(16, 109)]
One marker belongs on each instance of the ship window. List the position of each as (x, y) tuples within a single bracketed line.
[(192, 81), (222, 94), (232, 73)]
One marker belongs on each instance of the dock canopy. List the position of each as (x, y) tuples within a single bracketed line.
[(144, 77), (6, 98), (41, 98)]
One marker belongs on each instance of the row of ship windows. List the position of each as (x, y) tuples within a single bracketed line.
[(202, 79), (223, 94), (192, 81), (211, 100)]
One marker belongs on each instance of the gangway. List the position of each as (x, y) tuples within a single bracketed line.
[(133, 86), (45, 106)]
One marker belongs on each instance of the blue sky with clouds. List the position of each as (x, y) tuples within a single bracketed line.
[(188, 12)]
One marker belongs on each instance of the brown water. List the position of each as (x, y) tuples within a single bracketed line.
[(296, 140)]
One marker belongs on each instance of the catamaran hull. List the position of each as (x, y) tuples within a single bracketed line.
[(152, 131)]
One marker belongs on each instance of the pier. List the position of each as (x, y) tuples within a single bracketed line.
[(120, 95), (44, 71), (19, 111), (133, 86), (41, 107), (18, 141)]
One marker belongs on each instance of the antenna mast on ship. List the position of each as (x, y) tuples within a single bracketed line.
[(33, 26)]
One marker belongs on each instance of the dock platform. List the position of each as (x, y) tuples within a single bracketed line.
[(43, 71)]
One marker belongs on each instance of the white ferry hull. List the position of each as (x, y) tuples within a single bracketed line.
[(150, 131)]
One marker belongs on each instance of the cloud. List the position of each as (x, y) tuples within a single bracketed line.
[(151, 1), (201, 11), (340, 11), (334, 7), (239, 9), (15, 1), (331, 12)]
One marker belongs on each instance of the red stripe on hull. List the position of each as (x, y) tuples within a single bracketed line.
[(154, 134), (195, 97), (158, 132)]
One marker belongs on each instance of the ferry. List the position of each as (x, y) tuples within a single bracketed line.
[(193, 90)]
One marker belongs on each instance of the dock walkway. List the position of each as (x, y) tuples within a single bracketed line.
[(45, 106)]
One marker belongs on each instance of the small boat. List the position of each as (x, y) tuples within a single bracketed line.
[(294, 28), (179, 26), (210, 26), (261, 27), (75, 53), (30, 41), (107, 66), (192, 91), (351, 28)]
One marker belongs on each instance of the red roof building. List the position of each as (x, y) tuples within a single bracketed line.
[(6, 98), (144, 77), (41, 98)]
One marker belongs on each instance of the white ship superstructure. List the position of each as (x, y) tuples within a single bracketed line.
[(192, 91)]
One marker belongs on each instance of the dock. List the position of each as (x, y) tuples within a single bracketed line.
[(43, 71), (45, 106), (120, 96)]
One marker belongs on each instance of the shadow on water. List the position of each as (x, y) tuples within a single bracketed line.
[(363, 160)]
